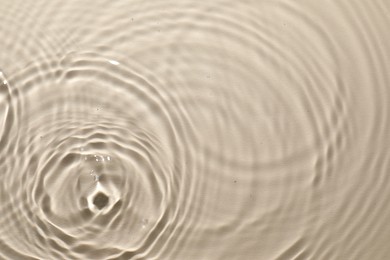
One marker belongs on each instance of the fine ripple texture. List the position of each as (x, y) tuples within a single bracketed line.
[(194, 129)]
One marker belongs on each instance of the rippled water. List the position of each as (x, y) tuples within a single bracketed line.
[(194, 129)]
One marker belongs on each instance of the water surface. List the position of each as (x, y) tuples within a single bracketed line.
[(194, 129)]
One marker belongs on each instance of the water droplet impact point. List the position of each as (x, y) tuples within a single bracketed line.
[(100, 200)]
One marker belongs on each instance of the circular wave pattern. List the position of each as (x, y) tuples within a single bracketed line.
[(90, 163), (186, 130)]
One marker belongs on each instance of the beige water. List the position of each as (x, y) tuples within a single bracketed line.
[(195, 129)]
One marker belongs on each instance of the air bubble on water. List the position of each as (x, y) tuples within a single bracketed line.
[(5, 82), (96, 177), (144, 222)]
